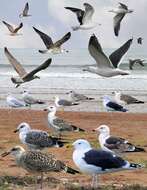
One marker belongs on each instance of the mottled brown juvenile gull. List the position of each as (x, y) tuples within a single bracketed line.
[(121, 98), (25, 11), (23, 75), (135, 61), (50, 45), (120, 12), (13, 30), (115, 144), (104, 66), (38, 162)]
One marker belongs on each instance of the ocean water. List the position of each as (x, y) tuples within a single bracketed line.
[(66, 72)]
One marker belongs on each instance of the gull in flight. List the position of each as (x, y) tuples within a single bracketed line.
[(120, 12), (25, 11), (52, 47), (13, 30), (135, 61), (23, 75), (84, 17), (106, 66)]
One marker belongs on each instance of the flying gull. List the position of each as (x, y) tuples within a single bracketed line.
[(13, 30), (25, 11), (23, 75), (14, 102), (84, 17), (76, 97), (125, 99), (63, 102), (115, 144), (52, 47), (135, 61), (38, 162), (36, 139), (120, 12), (112, 106), (139, 40), (105, 66), (94, 162), (28, 99), (58, 124)]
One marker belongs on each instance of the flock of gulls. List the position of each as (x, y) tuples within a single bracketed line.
[(87, 159)]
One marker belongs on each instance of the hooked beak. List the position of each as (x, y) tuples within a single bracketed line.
[(15, 131), (5, 153)]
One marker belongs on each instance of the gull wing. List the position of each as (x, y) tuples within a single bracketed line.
[(116, 56), (46, 39), (63, 39), (16, 65), (117, 21), (123, 6), (26, 9), (18, 28), (41, 67), (89, 11), (10, 27), (79, 13), (97, 53)]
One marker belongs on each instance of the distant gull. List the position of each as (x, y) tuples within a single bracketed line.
[(121, 98), (58, 124), (59, 102), (14, 102), (84, 17), (74, 96), (52, 47), (23, 75), (112, 106), (115, 144), (38, 162), (104, 66), (36, 139), (13, 30), (135, 61), (121, 11), (25, 11), (139, 40), (94, 162), (28, 99)]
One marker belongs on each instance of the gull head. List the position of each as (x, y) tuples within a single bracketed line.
[(107, 98), (81, 144), (116, 93), (23, 127), (70, 92), (51, 109), (103, 129), (15, 151), (130, 11), (65, 50)]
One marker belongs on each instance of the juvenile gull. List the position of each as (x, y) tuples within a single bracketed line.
[(105, 66), (115, 144), (135, 61), (63, 102), (94, 162), (53, 47), (75, 97), (84, 17), (38, 162), (36, 139), (112, 106), (13, 30), (28, 99), (25, 11), (120, 12), (125, 99), (14, 102), (58, 124), (23, 75)]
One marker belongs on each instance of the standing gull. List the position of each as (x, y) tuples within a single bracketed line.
[(120, 12), (13, 30), (14, 102), (94, 162), (115, 144), (23, 75), (63, 102), (76, 97), (38, 162), (134, 61), (59, 124), (25, 11), (52, 47), (125, 99), (112, 106), (105, 66), (84, 17), (36, 139)]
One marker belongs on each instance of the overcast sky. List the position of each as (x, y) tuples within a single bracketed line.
[(51, 17)]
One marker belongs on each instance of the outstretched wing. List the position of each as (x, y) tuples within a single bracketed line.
[(89, 11), (10, 27), (18, 28), (63, 39), (26, 9), (116, 56), (123, 6), (117, 21), (46, 39), (16, 65)]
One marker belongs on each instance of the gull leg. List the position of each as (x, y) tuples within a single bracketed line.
[(96, 181), (93, 179), (41, 185)]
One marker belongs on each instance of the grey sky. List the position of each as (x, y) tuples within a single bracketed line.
[(51, 17)]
